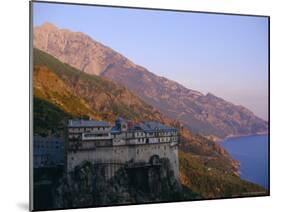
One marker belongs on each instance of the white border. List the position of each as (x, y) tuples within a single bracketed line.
[(14, 88)]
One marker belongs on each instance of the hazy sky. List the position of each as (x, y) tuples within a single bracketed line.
[(223, 54)]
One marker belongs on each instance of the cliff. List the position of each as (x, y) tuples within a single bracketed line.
[(87, 186)]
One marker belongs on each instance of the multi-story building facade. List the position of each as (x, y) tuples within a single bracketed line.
[(99, 142), (48, 152)]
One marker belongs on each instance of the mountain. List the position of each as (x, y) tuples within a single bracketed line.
[(47, 85), (56, 83), (208, 114), (77, 92)]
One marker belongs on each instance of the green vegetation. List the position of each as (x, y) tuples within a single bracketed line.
[(211, 153), (48, 86), (48, 118), (105, 98), (66, 71), (211, 182)]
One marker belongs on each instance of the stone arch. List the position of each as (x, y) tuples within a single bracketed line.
[(154, 159)]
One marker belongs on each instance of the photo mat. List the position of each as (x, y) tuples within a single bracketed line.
[(141, 105)]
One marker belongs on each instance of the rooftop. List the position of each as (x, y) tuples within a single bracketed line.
[(87, 123), (143, 126)]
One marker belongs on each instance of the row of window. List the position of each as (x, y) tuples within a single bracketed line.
[(150, 134), (147, 140), (138, 135), (87, 129), (38, 146), (163, 139), (95, 135), (154, 147), (46, 146), (139, 140), (45, 160)]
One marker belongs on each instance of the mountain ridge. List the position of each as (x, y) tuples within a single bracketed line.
[(208, 115)]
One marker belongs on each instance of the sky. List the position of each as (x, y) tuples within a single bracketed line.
[(226, 55)]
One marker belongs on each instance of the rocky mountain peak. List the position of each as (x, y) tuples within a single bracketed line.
[(48, 26), (77, 49)]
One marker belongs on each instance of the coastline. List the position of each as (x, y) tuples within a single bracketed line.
[(220, 140), (243, 135), (245, 173)]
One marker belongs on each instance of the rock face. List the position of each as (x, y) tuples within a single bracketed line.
[(208, 115), (205, 114), (76, 49), (87, 186)]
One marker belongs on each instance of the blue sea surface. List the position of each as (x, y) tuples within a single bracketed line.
[(252, 153)]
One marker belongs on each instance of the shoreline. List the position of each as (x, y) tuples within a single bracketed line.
[(242, 135), (245, 135), (244, 174)]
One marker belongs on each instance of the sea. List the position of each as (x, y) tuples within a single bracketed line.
[(252, 153)]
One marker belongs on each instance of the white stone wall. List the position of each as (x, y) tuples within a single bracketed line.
[(122, 154)]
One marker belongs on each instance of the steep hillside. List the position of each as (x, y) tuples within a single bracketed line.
[(208, 115), (48, 118), (56, 84), (210, 182), (47, 85), (205, 114), (106, 98)]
